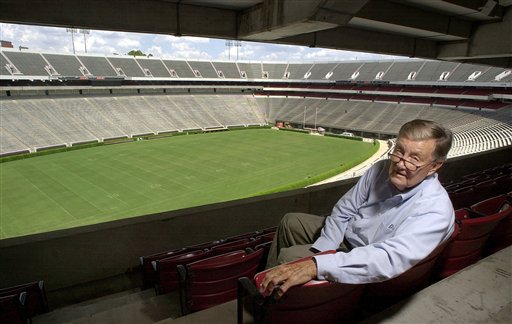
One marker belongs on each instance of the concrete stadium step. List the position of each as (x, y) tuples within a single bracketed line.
[(133, 306)]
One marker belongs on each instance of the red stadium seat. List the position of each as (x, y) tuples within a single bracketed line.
[(213, 281), (270, 229), (266, 248), (468, 246), (463, 197), (313, 302), (268, 237), (148, 272), (383, 294), (12, 309), (501, 235), (236, 245), (35, 301), (242, 236), (205, 245), (167, 275)]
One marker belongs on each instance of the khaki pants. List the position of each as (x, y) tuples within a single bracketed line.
[(294, 236)]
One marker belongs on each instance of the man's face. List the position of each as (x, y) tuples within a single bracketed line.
[(420, 154)]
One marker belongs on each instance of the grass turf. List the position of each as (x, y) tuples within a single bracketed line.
[(118, 181)]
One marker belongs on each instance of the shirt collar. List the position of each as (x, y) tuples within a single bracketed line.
[(413, 191)]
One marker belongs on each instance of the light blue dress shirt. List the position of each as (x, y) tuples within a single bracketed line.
[(390, 231)]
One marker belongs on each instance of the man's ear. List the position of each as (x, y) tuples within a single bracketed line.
[(435, 166)]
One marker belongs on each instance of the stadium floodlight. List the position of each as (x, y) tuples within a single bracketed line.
[(233, 43), (85, 32), (73, 32)]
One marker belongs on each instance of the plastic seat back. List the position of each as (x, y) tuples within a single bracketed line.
[(266, 249), (463, 197), (168, 278), (34, 297), (213, 281), (385, 293), (148, 272), (236, 245), (501, 235), (11, 309), (314, 302), (468, 246), (205, 245)]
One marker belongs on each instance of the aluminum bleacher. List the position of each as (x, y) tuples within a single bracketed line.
[(478, 111), (53, 65), (229, 69), (402, 70), (64, 65), (298, 71), (98, 65), (432, 70), (28, 63), (251, 70), (128, 65), (275, 70), (320, 71), (154, 66), (371, 70), (31, 123), (180, 67), (4, 66), (205, 69)]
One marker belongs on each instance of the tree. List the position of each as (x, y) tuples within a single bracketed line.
[(136, 53)]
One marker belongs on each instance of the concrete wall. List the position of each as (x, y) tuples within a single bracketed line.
[(85, 262)]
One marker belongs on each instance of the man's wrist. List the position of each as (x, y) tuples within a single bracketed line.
[(312, 249)]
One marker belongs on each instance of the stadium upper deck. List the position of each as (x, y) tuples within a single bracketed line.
[(17, 65)]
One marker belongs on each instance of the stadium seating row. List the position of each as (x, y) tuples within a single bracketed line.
[(37, 123), (206, 274), (18, 304), (397, 97), (486, 225), (480, 186), (44, 65), (474, 131)]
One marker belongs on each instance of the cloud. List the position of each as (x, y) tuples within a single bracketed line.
[(183, 50), (129, 44), (56, 39)]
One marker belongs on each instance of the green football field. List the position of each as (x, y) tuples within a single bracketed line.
[(111, 182)]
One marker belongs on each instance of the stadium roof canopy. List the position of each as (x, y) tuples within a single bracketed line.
[(472, 31)]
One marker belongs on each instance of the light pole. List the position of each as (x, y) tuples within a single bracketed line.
[(233, 43), (304, 122), (316, 113), (72, 31), (85, 32)]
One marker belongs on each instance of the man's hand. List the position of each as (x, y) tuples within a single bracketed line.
[(288, 275)]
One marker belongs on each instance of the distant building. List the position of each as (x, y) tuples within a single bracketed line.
[(6, 44)]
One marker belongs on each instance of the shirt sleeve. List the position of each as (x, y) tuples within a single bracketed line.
[(413, 240), (333, 232)]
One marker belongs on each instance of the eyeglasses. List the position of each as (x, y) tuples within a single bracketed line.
[(408, 164)]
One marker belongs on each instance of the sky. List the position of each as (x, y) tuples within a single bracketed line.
[(58, 40)]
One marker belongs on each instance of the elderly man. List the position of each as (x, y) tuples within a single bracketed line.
[(394, 217)]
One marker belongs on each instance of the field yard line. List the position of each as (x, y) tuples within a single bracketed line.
[(94, 185), (156, 174), (45, 194), (128, 188)]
